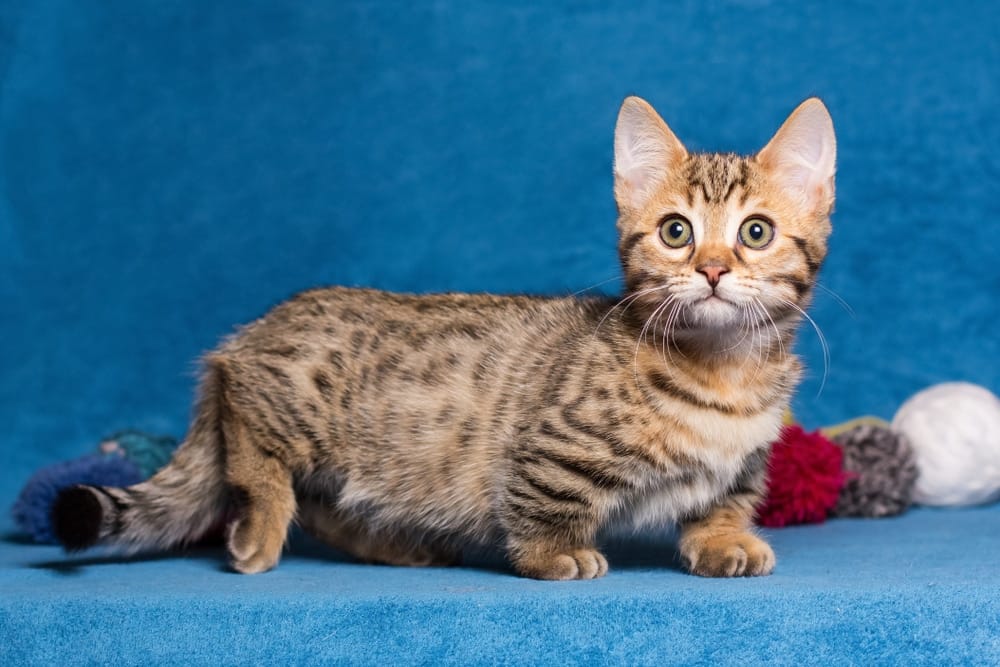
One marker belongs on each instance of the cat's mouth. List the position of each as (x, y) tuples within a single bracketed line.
[(715, 297)]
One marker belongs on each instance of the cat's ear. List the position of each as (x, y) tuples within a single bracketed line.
[(645, 152), (802, 155)]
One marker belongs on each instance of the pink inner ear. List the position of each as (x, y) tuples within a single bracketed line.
[(807, 146), (645, 150), (809, 184), (820, 192), (802, 154), (642, 154), (639, 179), (797, 177)]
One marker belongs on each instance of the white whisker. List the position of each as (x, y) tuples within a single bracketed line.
[(759, 337), (839, 299), (667, 341), (781, 344), (675, 315), (656, 322), (822, 342), (603, 282), (642, 336), (630, 299)]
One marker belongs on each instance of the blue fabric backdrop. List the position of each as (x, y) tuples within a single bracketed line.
[(171, 169)]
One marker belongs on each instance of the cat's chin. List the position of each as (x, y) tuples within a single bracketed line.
[(714, 313)]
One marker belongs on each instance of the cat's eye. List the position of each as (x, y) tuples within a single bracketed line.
[(675, 231), (756, 233)]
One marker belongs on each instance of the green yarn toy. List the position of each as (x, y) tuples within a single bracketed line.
[(147, 452)]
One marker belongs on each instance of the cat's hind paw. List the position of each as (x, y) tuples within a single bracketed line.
[(251, 550)]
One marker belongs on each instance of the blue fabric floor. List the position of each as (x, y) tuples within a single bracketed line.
[(171, 169), (919, 589)]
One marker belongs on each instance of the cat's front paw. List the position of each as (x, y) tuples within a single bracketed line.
[(727, 555), (573, 564)]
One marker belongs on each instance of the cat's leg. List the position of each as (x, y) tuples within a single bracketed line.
[(550, 538), (264, 499), (334, 527), (721, 543)]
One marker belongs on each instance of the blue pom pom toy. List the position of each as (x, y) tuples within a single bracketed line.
[(125, 458)]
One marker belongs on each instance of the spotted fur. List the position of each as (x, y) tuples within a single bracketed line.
[(403, 428)]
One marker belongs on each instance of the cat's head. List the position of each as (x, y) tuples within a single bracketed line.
[(718, 241)]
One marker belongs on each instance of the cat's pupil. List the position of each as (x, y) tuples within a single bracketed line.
[(756, 231), (676, 230)]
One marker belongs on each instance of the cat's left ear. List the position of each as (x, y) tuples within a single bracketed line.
[(802, 155)]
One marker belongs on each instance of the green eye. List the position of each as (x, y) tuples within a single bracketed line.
[(756, 233), (675, 231)]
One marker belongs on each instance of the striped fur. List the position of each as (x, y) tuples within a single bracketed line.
[(403, 428)]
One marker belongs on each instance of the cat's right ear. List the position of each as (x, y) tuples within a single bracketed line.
[(645, 152)]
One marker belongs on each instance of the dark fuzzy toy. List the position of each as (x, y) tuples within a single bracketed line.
[(881, 472), (123, 459), (33, 510)]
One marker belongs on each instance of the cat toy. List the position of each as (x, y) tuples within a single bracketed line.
[(942, 448), (858, 469), (954, 429), (123, 459)]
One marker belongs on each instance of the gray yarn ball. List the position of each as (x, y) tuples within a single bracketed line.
[(881, 471)]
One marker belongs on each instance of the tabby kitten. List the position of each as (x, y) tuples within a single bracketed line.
[(401, 428)]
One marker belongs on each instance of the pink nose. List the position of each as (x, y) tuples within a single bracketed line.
[(713, 272)]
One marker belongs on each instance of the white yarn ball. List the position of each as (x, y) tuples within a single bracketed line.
[(954, 429)]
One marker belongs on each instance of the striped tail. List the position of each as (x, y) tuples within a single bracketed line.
[(178, 504)]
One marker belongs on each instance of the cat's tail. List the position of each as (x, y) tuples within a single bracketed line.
[(178, 504)]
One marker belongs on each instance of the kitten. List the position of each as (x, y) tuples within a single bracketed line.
[(401, 428)]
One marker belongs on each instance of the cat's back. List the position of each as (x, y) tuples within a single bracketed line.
[(342, 315), (361, 352)]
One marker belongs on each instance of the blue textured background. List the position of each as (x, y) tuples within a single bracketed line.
[(171, 169)]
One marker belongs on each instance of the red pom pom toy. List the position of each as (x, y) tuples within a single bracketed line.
[(804, 481)]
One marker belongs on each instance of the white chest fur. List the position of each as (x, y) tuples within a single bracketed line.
[(728, 442)]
